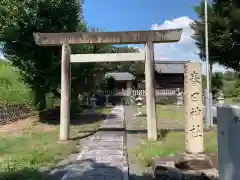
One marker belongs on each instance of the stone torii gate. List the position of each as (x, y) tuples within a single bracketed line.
[(124, 37)]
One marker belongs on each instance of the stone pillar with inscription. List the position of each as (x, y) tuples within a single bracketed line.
[(193, 108)]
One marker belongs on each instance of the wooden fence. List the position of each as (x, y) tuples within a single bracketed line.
[(165, 96), (136, 92)]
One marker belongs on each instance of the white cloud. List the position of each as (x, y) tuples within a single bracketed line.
[(185, 49)]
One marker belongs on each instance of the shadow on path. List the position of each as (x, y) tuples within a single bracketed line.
[(160, 131), (52, 117), (86, 169), (140, 131)]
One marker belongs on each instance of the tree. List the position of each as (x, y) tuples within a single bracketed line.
[(230, 76), (111, 83), (224, 35), (217, 82), (199, 34), (39, 66), (103, 68), (135, 67), (227, 32)]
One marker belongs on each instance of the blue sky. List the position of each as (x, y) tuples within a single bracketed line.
[(145, 15), (135, 14), (123, 15)]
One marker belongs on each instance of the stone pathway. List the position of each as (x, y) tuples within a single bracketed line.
[(104, 155)]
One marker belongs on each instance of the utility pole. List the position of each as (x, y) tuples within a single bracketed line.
[(208, 97)]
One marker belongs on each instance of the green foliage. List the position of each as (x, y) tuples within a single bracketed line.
[(217, 82), (132, 67), (199, 29), (12, 89), (224, 36), (235, 92), (230, 84), (230, 76), (171, 144), (38, 66), (111, 83), (97, 79)]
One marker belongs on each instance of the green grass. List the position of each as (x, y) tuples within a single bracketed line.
[(37, 146), (12, 89), (228, 85), (167, 116), (32, 149), (169, 112), (105, 111), (235, 100), (172, 144)]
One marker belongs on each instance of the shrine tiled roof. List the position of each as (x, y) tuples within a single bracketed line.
[(120, 76), (163, 67), (171, 67)]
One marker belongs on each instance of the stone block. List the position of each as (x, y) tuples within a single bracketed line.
[(228, 142)]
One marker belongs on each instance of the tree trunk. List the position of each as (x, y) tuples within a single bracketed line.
[(40, 100)]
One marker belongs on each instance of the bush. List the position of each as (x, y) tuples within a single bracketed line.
[(12, 89), (233, 93)]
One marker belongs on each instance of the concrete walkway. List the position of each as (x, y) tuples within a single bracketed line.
[(104, 155)]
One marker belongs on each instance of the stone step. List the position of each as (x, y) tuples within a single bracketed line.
[(113, 134), (110, 133), (113, 124), (105, 143), (113, 121), (104, 147), (116, 118), (108, 139), (109, 158), (112, 127), (102, 152)]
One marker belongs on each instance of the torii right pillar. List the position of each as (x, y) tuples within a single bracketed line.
[(193, 108), (150, 92)]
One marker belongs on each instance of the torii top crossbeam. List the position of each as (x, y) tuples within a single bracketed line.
[(122, 37)]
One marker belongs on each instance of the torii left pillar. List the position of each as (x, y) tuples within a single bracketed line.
[(65, 93)]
